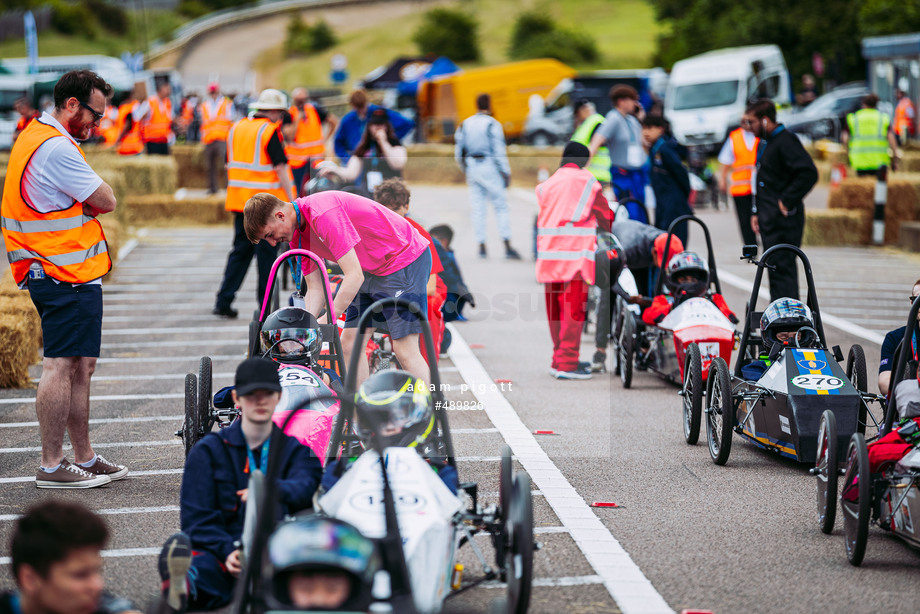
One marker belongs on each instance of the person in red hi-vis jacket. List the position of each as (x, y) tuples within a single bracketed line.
[(572, 208), (687, 277)]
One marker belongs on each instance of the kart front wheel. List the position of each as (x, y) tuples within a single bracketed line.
[(205, 397), (692, 393), (190, 427), (719, 418), (856, 373), (618, 326), (627, 347), (856, 499), (518, 562), (826, 472), (504, 501)]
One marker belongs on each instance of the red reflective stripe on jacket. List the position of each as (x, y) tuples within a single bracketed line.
[(566, 226)]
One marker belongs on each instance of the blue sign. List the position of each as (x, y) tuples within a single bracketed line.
[(31, 41)]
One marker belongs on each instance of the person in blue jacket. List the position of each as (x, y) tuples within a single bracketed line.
[(351, 128), (669, 178), (458, 295), (214, 492)]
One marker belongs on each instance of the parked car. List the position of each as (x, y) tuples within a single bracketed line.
[(826, 117)]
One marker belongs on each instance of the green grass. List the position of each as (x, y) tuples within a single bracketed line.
[(625, 32), (159, 25)]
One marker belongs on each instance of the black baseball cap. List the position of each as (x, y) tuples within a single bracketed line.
[(257, 374)]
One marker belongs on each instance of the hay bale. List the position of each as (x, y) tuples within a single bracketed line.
[(434, 163), (836, 227), (16, 352), (858, 194), (116, 179), (165, 210), (21, 307), (114, 235), (910, 162), (143, 174)]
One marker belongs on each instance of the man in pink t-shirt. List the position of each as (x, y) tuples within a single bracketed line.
[(379, 252)]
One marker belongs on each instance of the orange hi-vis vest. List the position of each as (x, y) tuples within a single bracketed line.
[(903, 122), (566, 226), (742, 168), (157, 126), (308, 140), (108, 126), (132, 143), (70, 246), (216, 127), (249, 169)]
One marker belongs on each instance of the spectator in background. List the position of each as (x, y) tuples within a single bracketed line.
[(56, 553), (739, 157), (587, 123), (868, 136), (621, 132), (892, 340), (27, 113), (458, 295), (308, 144), (905, 117), (669, 177), (217, 116), (190, 118), (479, 149), (351, 128), (379, 155), (156, 119), (808, 93), (129, 141)]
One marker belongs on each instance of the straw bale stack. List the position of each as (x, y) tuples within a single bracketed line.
[(165, 210), (20, 334), (192, 167), (834, 227), (143, 174), (858, 194)]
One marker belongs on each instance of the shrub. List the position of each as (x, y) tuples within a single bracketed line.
[(111, 17), (448, 32), (536, 35), (303, 39), (192, 9), (73, 19)]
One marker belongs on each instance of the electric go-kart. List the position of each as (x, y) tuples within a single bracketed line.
[(417, 522), (888, 494), (781, 410), (301, 383)]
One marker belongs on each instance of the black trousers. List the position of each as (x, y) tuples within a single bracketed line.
[(157, 149), (238, 263), (215, 155), (776, 229), (743, 209)]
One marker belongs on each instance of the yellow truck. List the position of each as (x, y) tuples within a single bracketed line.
[(445, 101)]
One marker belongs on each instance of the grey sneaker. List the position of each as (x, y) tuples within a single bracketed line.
[(174, 563), (599, 362), (582, 372), (104, 467), (69, 475)]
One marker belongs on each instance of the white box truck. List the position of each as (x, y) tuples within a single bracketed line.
[(707, 94)]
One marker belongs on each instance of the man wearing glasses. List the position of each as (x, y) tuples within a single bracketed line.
[(890, 344), (738, 159), (57, 250)]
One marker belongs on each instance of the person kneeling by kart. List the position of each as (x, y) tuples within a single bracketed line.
[(319, 563), (687, 277), (781, 326), (215, 486), (396, 410)]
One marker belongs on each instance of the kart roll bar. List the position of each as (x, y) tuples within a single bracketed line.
[(327, 295), (713, 274), (345, 416), (901, 357), (812, 298)]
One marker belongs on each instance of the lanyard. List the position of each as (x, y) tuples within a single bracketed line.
[(15, 605), (263, 465), (295, 270)]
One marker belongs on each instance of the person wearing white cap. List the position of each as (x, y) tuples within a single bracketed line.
[(256, 163)]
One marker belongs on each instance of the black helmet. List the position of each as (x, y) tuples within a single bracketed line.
[(321, 184), (291, 335), (395, 409), (787, 315), (323, 545), (608, 259), (687, 264)]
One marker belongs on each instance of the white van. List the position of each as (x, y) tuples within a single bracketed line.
[(707, 94)]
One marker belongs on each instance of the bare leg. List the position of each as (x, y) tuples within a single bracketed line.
[(53, 404), (410, 357), (348, 342), (78, 420)]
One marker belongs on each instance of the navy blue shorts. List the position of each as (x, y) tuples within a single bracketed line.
[(71, 317), (408, 283)]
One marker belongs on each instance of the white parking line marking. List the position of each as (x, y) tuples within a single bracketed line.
[(106, 397), (113, 444), (552, 582), (12, 425), (845, 325), (133, 474), (175, 331), (113, 511), (236, 357), (198, 317), (170, 344), (625, 582), (5, 560), (157, 307), (143, 378), (472, 431)]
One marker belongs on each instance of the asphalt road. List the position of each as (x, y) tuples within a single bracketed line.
[(739, 538)]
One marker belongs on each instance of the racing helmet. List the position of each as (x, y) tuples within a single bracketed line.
[(786, 315), (291, 335), (322, 545), (683, 265), (608, 259), (395, 409)]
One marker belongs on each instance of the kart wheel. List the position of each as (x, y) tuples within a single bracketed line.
[(692, 393), (254, 330), (615, 337), (856, 373), (205, 398), (856, 499), (627, 347), (826, 472), (518, 562), (719, 418), (190, 428), (504, 500)]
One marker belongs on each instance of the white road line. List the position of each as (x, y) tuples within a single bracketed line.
[(845, 325), (170, 344), (12, 425), (215, 358), (198, 317), (113, 444), (5, 560), (157, 307), (133, 474), (175, 331), (552, 582), (126, 250), (142, 378), (472, 431), (628, 586), (113, 511), (106, 397)]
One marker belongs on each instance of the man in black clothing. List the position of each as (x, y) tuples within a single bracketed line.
[(785, 174)]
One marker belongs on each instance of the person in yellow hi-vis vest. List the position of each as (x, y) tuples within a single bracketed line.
[(57, 250), (587, 121), (256, 163), (868, 137)]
